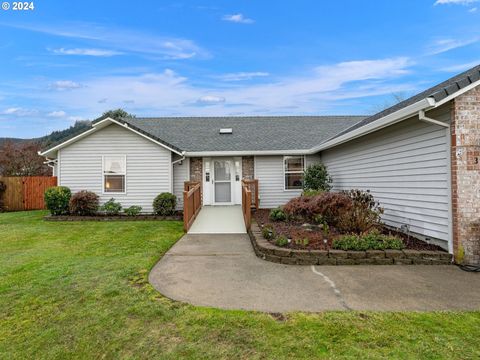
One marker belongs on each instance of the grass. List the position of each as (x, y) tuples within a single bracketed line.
[(80, 290)]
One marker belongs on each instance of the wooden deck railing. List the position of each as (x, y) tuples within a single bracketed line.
[(249, 200), (252, 185), (192, 203)]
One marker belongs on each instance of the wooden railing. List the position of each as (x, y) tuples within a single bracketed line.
[(247, 205), (252, 185), (192, 203), (249, 200)]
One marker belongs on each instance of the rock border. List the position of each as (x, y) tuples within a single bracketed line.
[(269, 252), (140, 217)]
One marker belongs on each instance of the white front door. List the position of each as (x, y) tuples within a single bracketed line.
[(223, 174)]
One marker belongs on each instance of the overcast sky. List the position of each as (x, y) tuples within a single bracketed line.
[(69, 60)]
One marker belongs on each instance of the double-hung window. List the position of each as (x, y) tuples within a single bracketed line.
[(294, 167), (114, 173)]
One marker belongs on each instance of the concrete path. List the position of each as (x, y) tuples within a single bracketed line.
[(219, 220), (222, 271)]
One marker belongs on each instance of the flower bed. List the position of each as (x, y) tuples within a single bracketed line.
[(318, 240)]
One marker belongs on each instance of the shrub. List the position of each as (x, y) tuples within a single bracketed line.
[(329, 206), (363, 215), (281, 241), (164, 204), (133, 210), (84, 203), (370, 241), (57, 199), (268, 232), (3, 188), (316, 178), (310, 192), (277, 215), (111, 207)]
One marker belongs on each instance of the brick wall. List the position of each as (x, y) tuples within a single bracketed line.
[(465, 155), (248, 167), (196, 169)]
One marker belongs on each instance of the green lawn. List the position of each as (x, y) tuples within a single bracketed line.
[(79, 290)]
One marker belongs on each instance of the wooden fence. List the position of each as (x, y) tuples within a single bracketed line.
[(192, 203), (26, 193)]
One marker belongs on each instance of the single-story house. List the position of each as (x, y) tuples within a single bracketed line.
[(419, 158)]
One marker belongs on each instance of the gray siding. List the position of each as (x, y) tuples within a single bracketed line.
[(180, 175), (148, 166), (406, 167), (269, 172)]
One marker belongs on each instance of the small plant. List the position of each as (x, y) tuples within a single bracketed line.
[(57, 199), (111, 207), (84, 203), (302, 242), (325, 229), (281, 241), (277, 215), (165, 204), (133, 210), (370, 241), (268, 232), (316, 178)]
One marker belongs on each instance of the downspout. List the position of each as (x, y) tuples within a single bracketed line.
[(179, 160), (422, 117)]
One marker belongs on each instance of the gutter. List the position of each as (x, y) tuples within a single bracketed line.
[(422, 117), (179, 160)]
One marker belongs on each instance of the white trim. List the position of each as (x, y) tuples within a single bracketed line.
[(100, 125), (422, 117), (245, 153), (449, 186), (59, 170), (292, 172), (124, 174), (458, 93)]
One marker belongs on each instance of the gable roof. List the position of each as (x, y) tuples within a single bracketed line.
[(437, 93), (256, 133)]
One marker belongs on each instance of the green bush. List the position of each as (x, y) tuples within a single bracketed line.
[(277, 215), (310, 192), (316, 178), (111, 207), (57, 199), (371, 241), (84, 203), (281, 241), (164, 204), (133, 210), (268, 232)]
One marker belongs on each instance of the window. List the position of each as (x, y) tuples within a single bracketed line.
[(293, 168), (114, 172)]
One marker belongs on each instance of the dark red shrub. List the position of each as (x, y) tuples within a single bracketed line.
[(363, 216), (84, 203)]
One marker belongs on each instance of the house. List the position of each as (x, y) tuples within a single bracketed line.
[(419, 158)]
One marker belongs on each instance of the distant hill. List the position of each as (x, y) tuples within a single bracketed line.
[(55, 136)]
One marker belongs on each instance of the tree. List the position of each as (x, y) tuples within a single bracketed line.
[(22, 159), (395, 98), (115, 114), (316, 178)]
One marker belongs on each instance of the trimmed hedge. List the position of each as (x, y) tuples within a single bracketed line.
[(84, 203), (165, 204), (57, 200)]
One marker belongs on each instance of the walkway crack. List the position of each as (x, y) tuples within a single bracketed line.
[(337, 292)]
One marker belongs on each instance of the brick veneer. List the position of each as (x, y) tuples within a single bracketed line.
[(196, 169), (465, 161), (248, 170)]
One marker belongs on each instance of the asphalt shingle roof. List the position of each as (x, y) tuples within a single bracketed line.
[(437, 92), (249, 133)]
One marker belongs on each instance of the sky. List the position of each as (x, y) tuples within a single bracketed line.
[(72, 60)]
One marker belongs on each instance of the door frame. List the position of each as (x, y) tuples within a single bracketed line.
[(232, 182), (209, 187)]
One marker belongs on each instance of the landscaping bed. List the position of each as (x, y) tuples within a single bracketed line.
[(318, 241)]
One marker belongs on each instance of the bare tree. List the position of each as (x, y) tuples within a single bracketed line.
[(22, 159), (395, 98)]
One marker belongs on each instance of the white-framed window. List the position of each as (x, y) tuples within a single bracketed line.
[(114, 173), (293, 168)]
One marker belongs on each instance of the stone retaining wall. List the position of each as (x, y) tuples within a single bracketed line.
[(267, 251)]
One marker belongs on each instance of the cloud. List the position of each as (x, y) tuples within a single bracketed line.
[(210, 100), (121, 39), (473, 10), (443, 45), (460, 67), (238, 18), (76, 118), (102, 101), (242, 76), (455, 2), (57, 114), (19, 112), (65, 85), (86, 52)]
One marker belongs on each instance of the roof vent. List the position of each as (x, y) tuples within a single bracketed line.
[(226, 131)]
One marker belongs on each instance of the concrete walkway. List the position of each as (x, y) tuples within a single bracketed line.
[(222, 271), (219, 220)]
